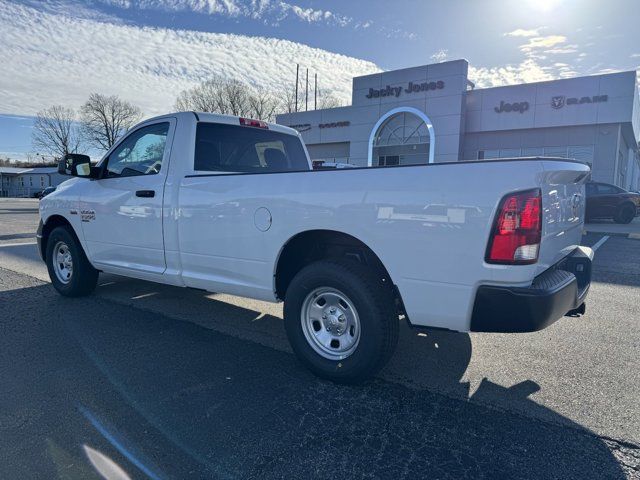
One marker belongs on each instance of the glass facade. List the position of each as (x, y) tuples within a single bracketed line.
[(403, 139), (581, 153)]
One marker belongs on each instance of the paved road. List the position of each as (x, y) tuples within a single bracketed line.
[(610, 227), (163, 382)]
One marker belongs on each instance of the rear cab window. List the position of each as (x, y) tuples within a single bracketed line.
[(242, 149)]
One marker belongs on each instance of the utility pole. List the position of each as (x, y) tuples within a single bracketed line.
[(306, 94), (315, 93), (297, 70)]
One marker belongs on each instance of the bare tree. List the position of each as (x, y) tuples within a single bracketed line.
[(205, 97), (287, 98), (229, 97), (105, 118), (263, 104), (233, 97), (328, 101), (55, 131)]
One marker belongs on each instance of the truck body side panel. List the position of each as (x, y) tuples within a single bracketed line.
[(429, 226)]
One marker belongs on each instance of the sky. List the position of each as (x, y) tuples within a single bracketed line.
[(147, 51)]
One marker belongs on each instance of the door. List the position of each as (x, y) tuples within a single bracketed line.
[(388, 160), (604, 201), (122, 212)]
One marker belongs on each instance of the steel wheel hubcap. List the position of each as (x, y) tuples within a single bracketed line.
[(330, 323), (62, 262)]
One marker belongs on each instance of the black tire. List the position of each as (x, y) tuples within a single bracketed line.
[(83, 277), (375, 305), (625, 214)]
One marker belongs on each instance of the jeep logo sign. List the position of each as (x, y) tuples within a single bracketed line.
[(512, 107)]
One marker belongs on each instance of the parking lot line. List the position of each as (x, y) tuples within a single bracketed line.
[(600, 242)]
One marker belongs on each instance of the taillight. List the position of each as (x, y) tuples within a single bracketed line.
[(248, 122), (515, 238)]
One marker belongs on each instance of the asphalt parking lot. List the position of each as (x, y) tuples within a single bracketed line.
[(145, 380)]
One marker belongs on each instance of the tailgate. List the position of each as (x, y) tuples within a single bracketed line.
[(563, 205)]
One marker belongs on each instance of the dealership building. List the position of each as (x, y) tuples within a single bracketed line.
[(433, 113)]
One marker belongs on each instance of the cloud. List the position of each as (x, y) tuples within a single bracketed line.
[(537, 65), (525, 72), (49, 58), (540, 61), (440, 56), (541, 47), (562, 50), (542, 43), (270, 11), (520, 32)]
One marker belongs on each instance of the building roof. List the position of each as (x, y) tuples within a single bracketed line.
[(33, 171)]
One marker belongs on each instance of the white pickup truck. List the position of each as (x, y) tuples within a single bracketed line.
[(232, 205)]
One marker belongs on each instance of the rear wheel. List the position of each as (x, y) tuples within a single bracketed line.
[(625, 214), (69, 269), (341, 320)]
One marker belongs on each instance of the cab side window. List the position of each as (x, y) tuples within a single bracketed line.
[(140, 153), (604, 189)]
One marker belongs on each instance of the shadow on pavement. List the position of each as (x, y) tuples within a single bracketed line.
[(15, 236), (618, 262), (89, 386)]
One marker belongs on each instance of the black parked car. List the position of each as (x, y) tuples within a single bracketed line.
[(45, 192), (609, 201)]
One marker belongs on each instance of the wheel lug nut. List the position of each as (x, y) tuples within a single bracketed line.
[(324, 316), (333, 310)]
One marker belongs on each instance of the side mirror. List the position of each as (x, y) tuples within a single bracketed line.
[(75, 164)]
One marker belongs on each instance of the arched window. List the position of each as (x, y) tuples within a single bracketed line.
[(403, 136)]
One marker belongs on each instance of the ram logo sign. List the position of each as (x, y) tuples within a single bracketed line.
[(560, 100), (557, 102)]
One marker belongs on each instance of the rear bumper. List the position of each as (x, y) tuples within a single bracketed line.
[(552, 294)]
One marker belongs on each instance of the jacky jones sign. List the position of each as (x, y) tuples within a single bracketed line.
[(390, 91)]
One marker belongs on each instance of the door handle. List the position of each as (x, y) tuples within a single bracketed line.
[(145, 193)]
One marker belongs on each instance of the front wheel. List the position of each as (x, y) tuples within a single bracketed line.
[(625, 214), (69, 269), (341, 320)]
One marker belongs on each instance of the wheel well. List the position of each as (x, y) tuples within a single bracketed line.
[(53, 222), (313, 245)]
